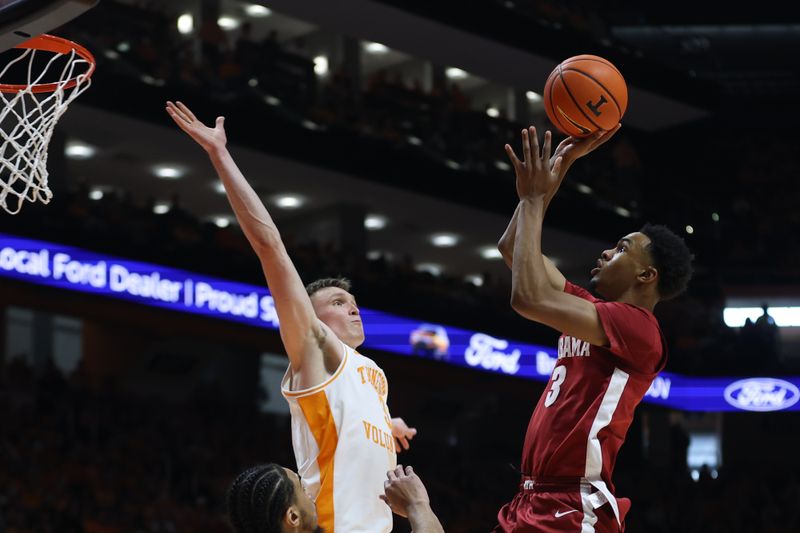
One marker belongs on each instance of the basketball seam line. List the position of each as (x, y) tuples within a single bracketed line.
[(574, 101), (603, 62), (619, 109), (552, 108)]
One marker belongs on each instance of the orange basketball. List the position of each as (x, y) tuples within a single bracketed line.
[(585, 94)]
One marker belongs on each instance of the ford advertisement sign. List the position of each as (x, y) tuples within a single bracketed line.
[(762, 394), (74, 269)]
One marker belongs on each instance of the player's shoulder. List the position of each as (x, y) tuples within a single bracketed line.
[(580, 292)]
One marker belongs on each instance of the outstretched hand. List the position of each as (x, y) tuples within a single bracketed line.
[(537, 174), (209, 138), (573, 148), (402, 433), (403, 490)]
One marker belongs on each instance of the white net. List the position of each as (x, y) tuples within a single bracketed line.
[(28, 117)]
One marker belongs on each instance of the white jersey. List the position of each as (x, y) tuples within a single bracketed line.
[(342, 439)]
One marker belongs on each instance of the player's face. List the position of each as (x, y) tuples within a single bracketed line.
[(305, 506), (618, 267), (337, 308)]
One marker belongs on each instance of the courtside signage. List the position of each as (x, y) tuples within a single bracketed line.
[(75, 269)]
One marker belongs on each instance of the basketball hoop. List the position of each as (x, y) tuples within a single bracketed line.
[(29, 112)]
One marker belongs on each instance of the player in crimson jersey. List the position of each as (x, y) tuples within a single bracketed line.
[(609, 352)]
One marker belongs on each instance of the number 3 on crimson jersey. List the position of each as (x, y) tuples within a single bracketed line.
[(559, 375)]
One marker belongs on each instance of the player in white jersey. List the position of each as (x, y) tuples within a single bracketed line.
[(342, 433)]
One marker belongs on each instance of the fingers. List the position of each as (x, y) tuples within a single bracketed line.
[(411, 433), (220, 122), (398, 471), (535, 144), (403, 442), (392, 477), (605, 136), (526, 147), (548, 141), (186, 111), (385, 499), (410, 470), (181, 122), (512, 156), (557, 166), (176, 113)]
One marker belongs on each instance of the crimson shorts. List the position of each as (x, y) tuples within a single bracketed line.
[(559, 510)]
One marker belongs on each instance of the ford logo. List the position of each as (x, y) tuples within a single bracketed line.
[(762, 394)]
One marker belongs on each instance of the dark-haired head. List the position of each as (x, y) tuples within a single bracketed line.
[(270, 499), (671, 257), (337, 308), (654, 264)]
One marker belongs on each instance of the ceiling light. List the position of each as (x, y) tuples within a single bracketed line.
[(491, 252), (582, 187), (185, 23), (416, 141), (168, 172), (160, 208), (78, 150), (621, 211), (502, 165), (374, 222), (493, 112), (475, 279), (309, 125), (228, 23), (444, 240), (320, 65), (452, 164), (431, 268), (374, 255), (256, 10), (689, 229), (219, 187), (96, 194), (376, 48), (222, 222), (288, 201), (271, 100), (533, 97), (455, 73), (124, 46), (715, 217)]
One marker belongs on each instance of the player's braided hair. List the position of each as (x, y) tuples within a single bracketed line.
[(340, 282), (258, 499), (672, 258)]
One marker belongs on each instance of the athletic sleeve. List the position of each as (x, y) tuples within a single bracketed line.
[(580, 292), (633, 335)]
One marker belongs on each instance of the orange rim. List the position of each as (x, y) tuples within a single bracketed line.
[(56, 45)]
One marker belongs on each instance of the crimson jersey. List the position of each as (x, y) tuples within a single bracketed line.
[(582, 417)]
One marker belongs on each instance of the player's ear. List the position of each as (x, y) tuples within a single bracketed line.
[(648, 274), (292, 517)]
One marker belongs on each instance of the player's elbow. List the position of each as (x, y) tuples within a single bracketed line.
[(525, 303), (266, 242)]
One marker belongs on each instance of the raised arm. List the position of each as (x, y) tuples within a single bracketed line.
[(506, 247), (569, 150), (532, 294), (313, 350)]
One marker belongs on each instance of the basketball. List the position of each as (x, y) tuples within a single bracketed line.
[(585, 94)]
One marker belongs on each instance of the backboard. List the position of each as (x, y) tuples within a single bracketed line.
[(22, 19)]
